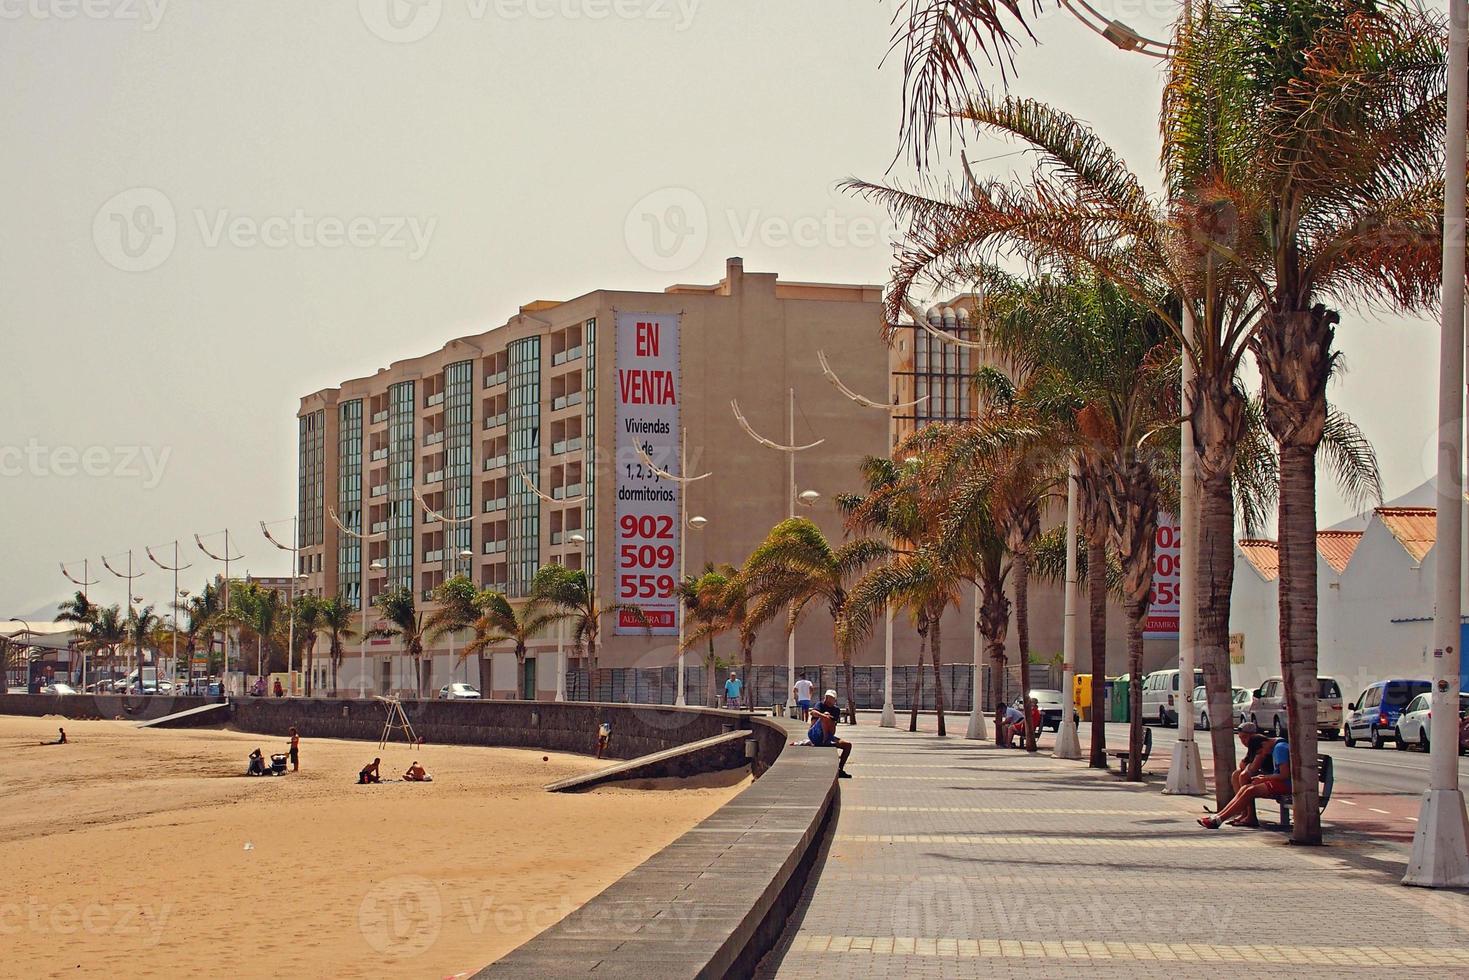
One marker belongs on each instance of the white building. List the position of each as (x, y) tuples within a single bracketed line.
[(1375, 599)]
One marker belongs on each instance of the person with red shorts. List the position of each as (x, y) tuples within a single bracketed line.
[(1267, 786)]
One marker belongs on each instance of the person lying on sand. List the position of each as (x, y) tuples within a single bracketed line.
[(370, 773), (417, 774)]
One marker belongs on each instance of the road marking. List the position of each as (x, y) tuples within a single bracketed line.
[(1347, 803), (1071, 949), (1023, 840), (1375, 810), (1414, 819), (1009, 809)]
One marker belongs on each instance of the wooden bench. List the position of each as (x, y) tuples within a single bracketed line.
[(1122, 755), (1326, 776)]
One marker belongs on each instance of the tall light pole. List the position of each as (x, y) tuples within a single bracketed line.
[(295, 549), (86, 581), (804, 497), (226, 558), (1440, 856), (174, 603), (578, 540), (137, 640), (1068, 746), (684, 523), (889, 717), (362, 601), (461, 557)]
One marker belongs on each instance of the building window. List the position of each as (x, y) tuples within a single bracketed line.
[(349, 499), (942, 373), (402, 508), (458, 466), (524, 430), (589, 481), (311, 476)]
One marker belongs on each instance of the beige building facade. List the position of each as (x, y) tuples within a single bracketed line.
[(509, 449)]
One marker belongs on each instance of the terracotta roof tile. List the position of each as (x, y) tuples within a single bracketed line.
[(1264, 555), (1412, 526), (1337, 547)]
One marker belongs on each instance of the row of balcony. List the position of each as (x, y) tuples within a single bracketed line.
[(566, 401), (570, 354), (495, 421), (495, 380), (566, 446)]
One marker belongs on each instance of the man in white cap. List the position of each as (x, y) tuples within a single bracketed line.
[(823, 731)]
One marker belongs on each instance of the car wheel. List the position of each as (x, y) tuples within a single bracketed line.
[(1204, 722), (1423, 739), (1346, 737), (1398, 737), (1378, 740), (1279, 730)]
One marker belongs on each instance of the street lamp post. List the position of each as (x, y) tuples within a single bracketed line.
[(174, 605), (226, 558), (137, 640), (295, 549), (682, 481), (460, 559), (366, 566), (889, 717), (1440, 856), (85, 582), (578, 540), (804, 497), (1068, 746)]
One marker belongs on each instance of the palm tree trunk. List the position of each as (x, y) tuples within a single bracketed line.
[(1298, 642), (1137, 611), (1020, 562), (938, 678), (747, 655), (591, 668), (917, 684), (1215, 578), (1096, 588)]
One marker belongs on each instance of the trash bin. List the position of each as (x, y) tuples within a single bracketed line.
[(1118, 690)]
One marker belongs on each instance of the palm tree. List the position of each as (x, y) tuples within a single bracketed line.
[(573, 595), (108, 631), (402, 619), (1323, 114), (142, 627), (80, 611), (202, 614), (456, 608), (307, 615), (336, 616), (499, 621), (702, 596), (795, 566)]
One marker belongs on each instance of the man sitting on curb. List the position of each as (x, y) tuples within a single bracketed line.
[(1264, 787), (823, 731)]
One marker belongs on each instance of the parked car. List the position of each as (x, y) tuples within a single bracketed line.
[(1161, 700), (1413, 724), (1239, 697), (1374, 715), (458, 692), (1049, 702), (1267, 707), (58, 689)]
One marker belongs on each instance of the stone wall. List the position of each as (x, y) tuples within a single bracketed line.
[(89, 707)]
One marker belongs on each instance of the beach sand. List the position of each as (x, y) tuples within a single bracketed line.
[(146, 853)]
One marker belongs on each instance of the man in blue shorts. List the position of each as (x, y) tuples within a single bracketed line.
[(732, 691), (823, 732), (803, 697)]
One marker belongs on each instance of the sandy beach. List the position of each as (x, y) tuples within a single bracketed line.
[(147, 853)]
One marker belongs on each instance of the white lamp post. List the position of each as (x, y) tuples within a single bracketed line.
[(362, 598), (130, 576), (1068, 746), (804, 497), (578, 540), (463, 555), (226, 558), (295, 549), (85, 582), (1441, 839)]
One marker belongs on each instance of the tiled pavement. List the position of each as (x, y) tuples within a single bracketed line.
[(953, 858)]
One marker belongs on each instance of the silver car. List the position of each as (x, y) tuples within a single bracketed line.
[(1239, 699), (1267, 708), (458, 692)]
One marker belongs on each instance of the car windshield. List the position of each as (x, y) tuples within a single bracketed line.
[(1400, 693), (1328, 689), (1241, 695)]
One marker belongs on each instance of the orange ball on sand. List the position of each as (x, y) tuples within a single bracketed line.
[(545, 758)]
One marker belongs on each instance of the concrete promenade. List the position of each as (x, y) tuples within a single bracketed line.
[(953, 858)]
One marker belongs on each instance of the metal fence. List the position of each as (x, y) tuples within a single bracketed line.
[(659, 685)]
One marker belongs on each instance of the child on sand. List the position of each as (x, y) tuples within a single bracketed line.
[(604, 735), (295, 750)]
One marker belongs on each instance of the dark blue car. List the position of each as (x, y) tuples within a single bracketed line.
[(1374, 715)]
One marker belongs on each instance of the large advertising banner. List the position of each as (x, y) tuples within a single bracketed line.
[(1162, 621), (647, 505)]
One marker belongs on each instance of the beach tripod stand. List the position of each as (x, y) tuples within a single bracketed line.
[(397, 720)]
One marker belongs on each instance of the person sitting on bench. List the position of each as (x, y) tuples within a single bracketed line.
[(257, 764), (370, 773), (823, 731), (1266, 786), (1014, 725), (1256, 762)]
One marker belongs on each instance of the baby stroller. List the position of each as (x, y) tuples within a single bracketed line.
[(277, 764)]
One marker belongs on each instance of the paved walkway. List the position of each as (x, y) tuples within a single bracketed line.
[(953, 858)]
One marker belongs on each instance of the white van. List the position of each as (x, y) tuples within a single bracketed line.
[(1162, 698)]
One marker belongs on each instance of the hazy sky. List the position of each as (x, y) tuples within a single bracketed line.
[(211, 209)]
